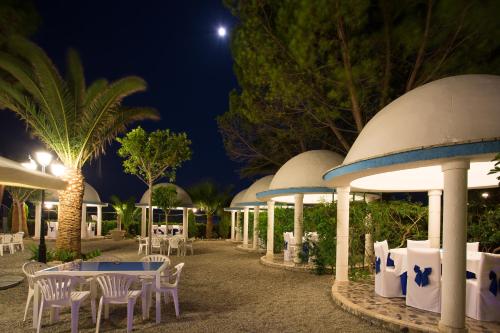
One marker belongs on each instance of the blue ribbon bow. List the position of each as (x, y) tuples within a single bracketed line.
[(286, 245), (377, 265), (494, 283), (390, 262), (403, 278), (422, 278)]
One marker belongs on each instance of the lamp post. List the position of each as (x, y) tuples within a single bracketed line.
[(57, 169)]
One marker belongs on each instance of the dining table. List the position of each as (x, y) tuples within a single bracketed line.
[(89, 270), (400, 256)]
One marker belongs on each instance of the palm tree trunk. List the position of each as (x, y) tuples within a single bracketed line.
[(24, 220), (210, 226), (70, 212), (16, 216)]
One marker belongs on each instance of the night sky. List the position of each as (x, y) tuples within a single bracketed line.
[(174, 46)]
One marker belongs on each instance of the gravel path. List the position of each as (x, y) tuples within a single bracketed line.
[(222, 290)]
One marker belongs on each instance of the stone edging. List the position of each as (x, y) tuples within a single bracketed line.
[(389, 323), (266, 262), (251, 250)]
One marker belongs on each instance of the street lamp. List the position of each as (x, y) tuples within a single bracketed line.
[(44, 159)]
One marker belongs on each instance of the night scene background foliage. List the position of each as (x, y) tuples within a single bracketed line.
[(291, 75)]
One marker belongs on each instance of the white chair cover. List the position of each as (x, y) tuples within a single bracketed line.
[(411, 244), (473, 247), (422, 295), (481, 301), (387, 282), (289, 243)]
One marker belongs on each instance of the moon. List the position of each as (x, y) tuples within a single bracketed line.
[(221, 31)]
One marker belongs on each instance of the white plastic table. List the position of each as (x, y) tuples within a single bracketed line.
[(400, 256), (92, 269)]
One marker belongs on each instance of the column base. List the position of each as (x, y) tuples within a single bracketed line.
[(443, 328), (270, 256)]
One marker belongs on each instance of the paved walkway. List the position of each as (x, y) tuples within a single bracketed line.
[(222, 290)]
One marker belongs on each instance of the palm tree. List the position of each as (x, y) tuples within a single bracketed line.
[(126, 212), (208, 197), (75, 121)]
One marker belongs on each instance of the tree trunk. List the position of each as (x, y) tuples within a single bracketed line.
[(15, 217), (70, 212), (150, 225), (210, 226)]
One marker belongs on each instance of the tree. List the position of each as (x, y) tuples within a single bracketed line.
[(126, 212), (19, 196), (165, 197), (313, 73), (151, 156), (72, 119), (496, 167), (209, 198)]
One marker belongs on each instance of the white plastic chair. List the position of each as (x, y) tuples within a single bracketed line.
[(481, 301), (29, 269), (143, 244), (157, 243), (412, 244), (175, 243), (424, 293), (167, 287), (473, 247), (6, 243), (17, 241), (188, 244), (387, 282), (115, 290), (57, 292)]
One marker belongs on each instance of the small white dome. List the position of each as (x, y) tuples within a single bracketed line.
[(250, 197), (182, 195), (90, 195), (457, 109), (237, 198), (305, 170)]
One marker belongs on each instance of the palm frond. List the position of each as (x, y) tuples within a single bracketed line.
[(76, 81), (52, 86), (112, 125)]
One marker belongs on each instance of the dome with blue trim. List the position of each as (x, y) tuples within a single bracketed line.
[(303, 174), (406, 142), (250, 198), (234, 203), (182, 196)]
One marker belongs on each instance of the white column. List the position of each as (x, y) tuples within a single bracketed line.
[(342, 258), (270, 230), (238, 226), (255, 239), (454, 246), (185, 223), (84, 221), (245, 227), (99, 220), (298, 228), (38, 218), (368, 249), (434, 230), (144, 222), (233, 225)]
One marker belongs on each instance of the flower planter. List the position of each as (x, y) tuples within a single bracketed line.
[(117, 235)]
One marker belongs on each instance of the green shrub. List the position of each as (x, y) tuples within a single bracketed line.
[(224, 226), (200, 230), (62, 255), (107, 226), (192, 228)]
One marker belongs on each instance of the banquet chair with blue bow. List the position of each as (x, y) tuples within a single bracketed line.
[(424, 279), (413, 244), (387, 282), (473, 247), (483, 293)]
